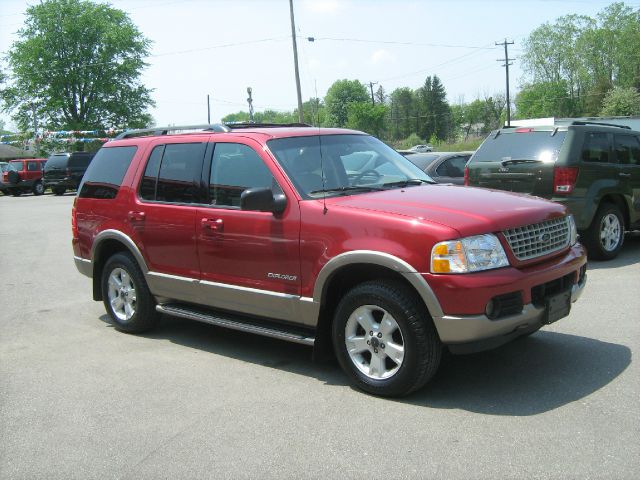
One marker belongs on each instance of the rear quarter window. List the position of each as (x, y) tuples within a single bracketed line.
[(57, 161), (106, 172)]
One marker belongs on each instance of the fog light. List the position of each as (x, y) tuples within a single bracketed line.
[(490, 309)]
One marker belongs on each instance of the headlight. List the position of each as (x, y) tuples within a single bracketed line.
[(470, 254), (573, 230)]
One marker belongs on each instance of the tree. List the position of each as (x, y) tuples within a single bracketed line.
[(381, 95), (621, 102), (366, 117), (77, 64), (403, 112), (545, 99), (434, 110), (339, 96)]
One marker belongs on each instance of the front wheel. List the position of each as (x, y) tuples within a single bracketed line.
[(385, 340), (126, 295), (59, 190), (605, 236)]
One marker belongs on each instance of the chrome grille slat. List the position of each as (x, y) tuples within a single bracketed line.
[(527, 242)]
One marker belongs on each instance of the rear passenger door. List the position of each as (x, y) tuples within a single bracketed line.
[(249, 260), (451, 170), (627, 148), (164, 213)]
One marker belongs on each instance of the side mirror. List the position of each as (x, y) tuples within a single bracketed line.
[(263, 200)]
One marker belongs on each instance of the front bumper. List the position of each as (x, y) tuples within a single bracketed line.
[(460, 331)]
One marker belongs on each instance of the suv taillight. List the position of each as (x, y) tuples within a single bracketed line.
[(74, 222), (564, 179), (466, 175)]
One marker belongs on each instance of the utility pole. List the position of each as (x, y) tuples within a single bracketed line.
[(506, 64), (295, 63), (250, 102), (208, 111), (371, 84), (35, 127)]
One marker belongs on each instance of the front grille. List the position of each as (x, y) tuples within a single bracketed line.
[(538, 239)]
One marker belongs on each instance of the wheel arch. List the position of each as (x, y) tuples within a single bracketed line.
[(619, 201), (345, 271), (107, 244)]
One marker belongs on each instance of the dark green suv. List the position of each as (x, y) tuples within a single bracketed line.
[(592, 168)]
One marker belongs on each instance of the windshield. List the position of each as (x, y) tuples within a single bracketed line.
[(540, 145), (4, 166), (343, 165)]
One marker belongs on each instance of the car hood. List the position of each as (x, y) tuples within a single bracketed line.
[(470, 211)]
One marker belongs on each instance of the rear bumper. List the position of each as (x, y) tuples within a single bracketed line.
[(68, 183), (478, 289)]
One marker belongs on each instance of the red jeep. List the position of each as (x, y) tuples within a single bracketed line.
[(24, 175), (324, 237)]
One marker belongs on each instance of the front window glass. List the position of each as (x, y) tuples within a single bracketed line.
[(343, 165), (33, 166), (236, 167)]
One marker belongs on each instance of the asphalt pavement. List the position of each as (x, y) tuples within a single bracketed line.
[(80, 400)]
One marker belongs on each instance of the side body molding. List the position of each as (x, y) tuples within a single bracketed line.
[(384, 260)]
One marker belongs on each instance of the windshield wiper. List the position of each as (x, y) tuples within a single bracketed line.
[(353, 188), (407, 182)]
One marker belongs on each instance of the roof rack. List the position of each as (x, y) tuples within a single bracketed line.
[(157, 131), (234, 125), (583, 122)]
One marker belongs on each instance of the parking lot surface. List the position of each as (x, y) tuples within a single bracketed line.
[(79, 399)]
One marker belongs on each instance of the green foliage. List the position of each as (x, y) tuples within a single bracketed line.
[(545, 99), (621, 102), (338, 98), (410, 141), (433, 110), (589, 56), (78, 63), (404, 120), (470, 144), (367, 117)]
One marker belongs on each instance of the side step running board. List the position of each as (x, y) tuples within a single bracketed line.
[(235, 324)]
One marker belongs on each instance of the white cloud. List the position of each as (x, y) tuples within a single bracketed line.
[(382, 56)]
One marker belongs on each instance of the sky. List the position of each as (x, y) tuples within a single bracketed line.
[(221, 47)]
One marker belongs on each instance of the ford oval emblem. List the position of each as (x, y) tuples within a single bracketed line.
[(545, 238)]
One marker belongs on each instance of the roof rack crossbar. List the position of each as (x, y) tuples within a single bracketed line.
[(157, 131), (586, 122)]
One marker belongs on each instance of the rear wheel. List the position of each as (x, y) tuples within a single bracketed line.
[(59, 190), (605, 236), (126, 295), (385, 340), (38, 188)]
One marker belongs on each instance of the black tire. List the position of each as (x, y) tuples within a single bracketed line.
[(13, 177), (591, 237), (59, 190), (145, 316), (38, 189), (422, 347)]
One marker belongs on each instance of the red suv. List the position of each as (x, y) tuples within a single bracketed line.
[(24, 175), (324, 237)]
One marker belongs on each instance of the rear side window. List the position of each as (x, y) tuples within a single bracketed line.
[(105, 173), (452, 167), (173, 173), (596, 148), (540, 145), (33, 166), (627, 149), (80, 161)]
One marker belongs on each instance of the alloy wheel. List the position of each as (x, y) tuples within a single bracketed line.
[(122, 294)]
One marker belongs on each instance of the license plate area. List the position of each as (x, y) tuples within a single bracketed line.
[(557, 306)]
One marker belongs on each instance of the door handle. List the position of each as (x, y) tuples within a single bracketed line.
[(625, 175), (136, 216), (216, 225)]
